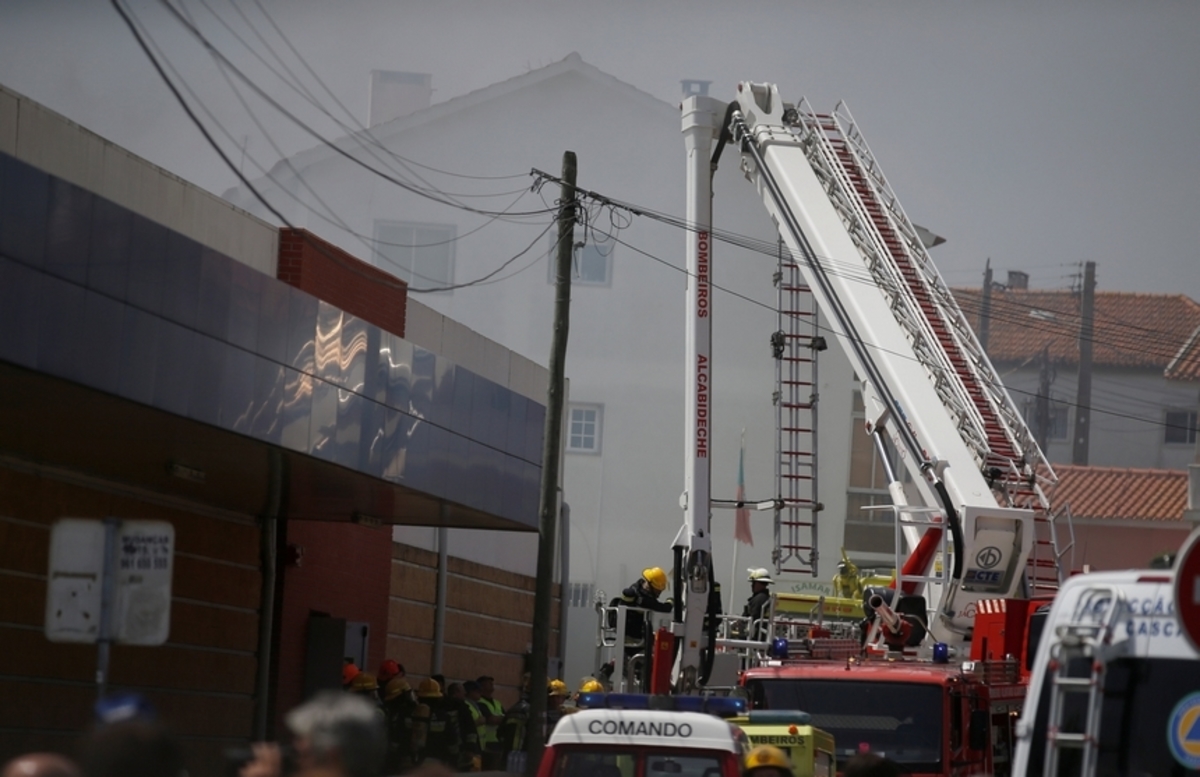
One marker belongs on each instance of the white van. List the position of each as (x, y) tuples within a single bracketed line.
[(643, 743), (1115, 686)]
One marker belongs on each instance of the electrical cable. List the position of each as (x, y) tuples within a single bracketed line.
[(133, 26), (321, 138)]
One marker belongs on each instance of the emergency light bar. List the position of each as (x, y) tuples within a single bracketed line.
[(721, 706), (780, 717)]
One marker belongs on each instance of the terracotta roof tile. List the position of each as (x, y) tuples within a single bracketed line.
[(1147, 331), (1116, 493)]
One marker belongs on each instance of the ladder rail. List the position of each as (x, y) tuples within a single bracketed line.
[(795, 422), (1089, 639), (1025, 478), (886, 275), (1021, 437)]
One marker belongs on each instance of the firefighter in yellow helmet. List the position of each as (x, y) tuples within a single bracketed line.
[(767, 761), (642, 595)]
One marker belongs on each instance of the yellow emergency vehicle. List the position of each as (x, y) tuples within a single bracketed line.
[(809, 748)]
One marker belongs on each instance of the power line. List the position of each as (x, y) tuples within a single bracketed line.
[(133, 26), (321, 138)]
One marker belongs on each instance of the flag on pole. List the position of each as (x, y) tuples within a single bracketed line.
[(741, 526)]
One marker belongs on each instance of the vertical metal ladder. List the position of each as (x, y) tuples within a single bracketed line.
[(990, 423), (1086, 639), (795, 346)]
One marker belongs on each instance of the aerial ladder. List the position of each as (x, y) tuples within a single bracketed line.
[(980, 482)]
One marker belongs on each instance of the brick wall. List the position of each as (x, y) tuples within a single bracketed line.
[(329, 273), (343, 573), (201, 681), (489, 619), (1124, 544)]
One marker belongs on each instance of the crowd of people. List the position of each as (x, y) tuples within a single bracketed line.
[(460, 725)]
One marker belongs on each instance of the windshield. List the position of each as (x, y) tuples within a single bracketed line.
[(1141, 696), (653, 763), (902, 721)]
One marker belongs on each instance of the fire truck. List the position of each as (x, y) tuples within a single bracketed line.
[(934, 675), (1116, 686)]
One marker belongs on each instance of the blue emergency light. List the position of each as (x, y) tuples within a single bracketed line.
[(721, 706), (778, 648), (941, 653)]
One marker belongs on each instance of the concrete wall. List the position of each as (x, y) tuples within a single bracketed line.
[(44, 139), (1131, 435)]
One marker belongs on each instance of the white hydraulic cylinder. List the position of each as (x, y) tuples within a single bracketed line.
[(701, 117)]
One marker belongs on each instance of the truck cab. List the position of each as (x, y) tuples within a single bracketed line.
[(613, 742), (931, 718)]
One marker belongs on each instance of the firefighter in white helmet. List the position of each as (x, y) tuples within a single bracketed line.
[(758, 605)]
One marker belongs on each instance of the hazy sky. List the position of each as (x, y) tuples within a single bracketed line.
[(1039, 134)]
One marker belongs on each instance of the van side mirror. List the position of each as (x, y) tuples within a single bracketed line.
[(977, 731)]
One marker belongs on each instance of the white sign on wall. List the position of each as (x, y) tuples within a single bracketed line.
[(141, 566)]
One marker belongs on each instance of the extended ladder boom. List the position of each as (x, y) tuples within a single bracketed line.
[(914, 381)]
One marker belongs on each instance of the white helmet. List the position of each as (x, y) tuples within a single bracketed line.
[(759, 575)]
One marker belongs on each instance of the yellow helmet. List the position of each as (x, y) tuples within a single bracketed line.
[(767, 755), (656, 578), (429, 689), (591, 685), (364, 681), (558, 688), (395, 687)]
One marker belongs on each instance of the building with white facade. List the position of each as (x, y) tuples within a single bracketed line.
[(624, 468)]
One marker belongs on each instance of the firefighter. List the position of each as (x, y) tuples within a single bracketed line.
[(644, 595), (556, 696), (436, 735), (768, 761), (757, 606)]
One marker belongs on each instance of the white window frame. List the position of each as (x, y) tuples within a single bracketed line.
[(586, 244), (1189, 434), (392, 248), (596, 435)]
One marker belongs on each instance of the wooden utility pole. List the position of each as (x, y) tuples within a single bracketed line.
[(1042, 416), (548, 505), (1083, 396), (985, 307)]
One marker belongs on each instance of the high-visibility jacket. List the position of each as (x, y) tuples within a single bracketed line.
[(488, 739)]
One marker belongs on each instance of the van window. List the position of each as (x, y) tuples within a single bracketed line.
[(576, 762)]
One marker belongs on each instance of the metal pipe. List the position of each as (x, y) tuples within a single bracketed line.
[(439, 611), (564, 575), (112, 527), (268, 552)]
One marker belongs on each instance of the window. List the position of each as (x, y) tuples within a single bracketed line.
[(580, 595), (1058, 422), (591, 264), (422, 255), (584, 433), (1179, 427)]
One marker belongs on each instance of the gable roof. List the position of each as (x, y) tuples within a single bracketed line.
[(1140, 331), (380, 133), (1113, 493), (1186, 364)]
